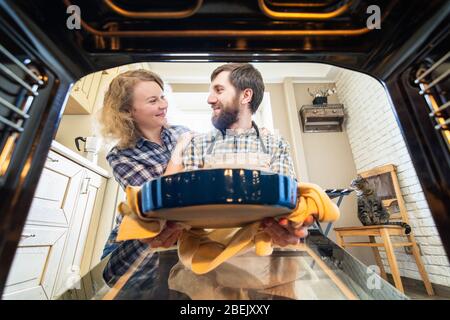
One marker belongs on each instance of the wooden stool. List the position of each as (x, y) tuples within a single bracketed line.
[(385, 232), (384, 181)]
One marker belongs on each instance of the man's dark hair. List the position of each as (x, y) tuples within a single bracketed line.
[(243, 76)]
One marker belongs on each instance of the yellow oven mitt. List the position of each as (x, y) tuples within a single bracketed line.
[(202, 250)]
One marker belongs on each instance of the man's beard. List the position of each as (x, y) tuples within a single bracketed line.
[(226, 117)]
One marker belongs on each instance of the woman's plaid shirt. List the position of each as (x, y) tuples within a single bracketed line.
[(134, 166), (146, 161)]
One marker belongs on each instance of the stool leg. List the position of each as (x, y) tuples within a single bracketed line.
[(420, 266), (378, 260), (391, 258), (339, 239)]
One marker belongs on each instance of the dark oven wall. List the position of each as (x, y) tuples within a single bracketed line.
[(34, 84), (420, 91), (412, 38)]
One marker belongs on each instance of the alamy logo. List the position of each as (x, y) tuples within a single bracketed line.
[(73, 278), (373, 280), (374, 20), (74, 20)]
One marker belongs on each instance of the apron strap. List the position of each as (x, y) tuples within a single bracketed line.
[(213, 142), (263, 146)]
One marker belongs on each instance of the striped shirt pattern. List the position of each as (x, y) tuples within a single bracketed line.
[(244, 142)]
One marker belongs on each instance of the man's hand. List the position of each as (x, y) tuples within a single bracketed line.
[(167, 238), (284, 232)]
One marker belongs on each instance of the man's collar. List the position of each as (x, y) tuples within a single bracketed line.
[(234, 132), (238, 131)]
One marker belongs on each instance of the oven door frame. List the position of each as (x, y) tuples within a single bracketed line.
[(68, 69)]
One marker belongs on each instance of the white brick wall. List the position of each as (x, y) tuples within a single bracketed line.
[(375, 140)]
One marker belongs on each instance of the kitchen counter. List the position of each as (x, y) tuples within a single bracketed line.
[(66, 152), (314, 269)]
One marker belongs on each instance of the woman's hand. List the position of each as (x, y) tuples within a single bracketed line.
[(175, 164), (182, 143), (285, 232), (167, 238)]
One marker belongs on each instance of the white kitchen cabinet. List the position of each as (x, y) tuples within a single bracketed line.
[(106, 77), (82, 96), (50, 255), (104, 222), (86, 96), (72, 266), (57, 192), (35, 267)]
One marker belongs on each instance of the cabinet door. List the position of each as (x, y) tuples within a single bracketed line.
[(106, 77), (57, 192), (96, 193), (82, 97), (91, 193), (35, 264), (106, 220)]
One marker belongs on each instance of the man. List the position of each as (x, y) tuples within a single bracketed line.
[(236, 91)]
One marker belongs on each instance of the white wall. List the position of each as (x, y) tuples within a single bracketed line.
[(375, 139), (330, 164)]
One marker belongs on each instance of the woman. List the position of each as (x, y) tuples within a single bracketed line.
[(134, 114)]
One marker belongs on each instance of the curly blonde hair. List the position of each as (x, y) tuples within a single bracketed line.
[(116, 121)]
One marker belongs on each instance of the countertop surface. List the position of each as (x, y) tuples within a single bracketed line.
[(66, 152)]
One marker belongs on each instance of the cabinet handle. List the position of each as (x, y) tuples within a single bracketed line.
[(52, 159), (85, 186), (28, 235)]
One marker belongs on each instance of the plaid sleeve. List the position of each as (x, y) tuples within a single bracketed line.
[(179, 130), (193, 155), (122, 258), (127, 171), (282, 162)]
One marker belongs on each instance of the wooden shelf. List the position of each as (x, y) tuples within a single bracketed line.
[(322, 118)]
